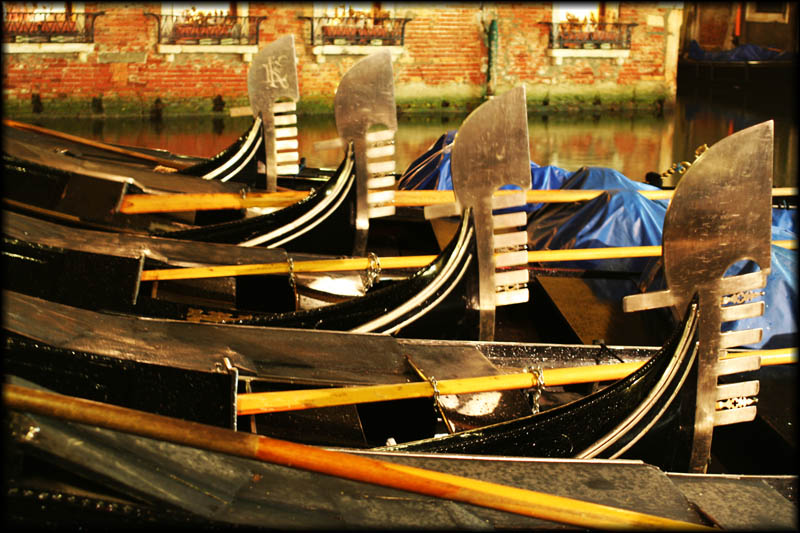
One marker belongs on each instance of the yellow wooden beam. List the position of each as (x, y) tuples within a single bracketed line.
[(271, 402), (388, 263), (167, 203)]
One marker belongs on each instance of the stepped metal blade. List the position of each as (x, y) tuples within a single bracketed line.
[(272, 75), (491, 150)]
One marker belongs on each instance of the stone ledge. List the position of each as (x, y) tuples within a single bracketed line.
[(122, 57), (558, 54), (83, 49), (353, 50), (247, 50)]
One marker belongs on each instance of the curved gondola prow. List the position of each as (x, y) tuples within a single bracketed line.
[(237, 163), (322, 222), (719, 215), (436, 289), (606, 423), (489, 151)]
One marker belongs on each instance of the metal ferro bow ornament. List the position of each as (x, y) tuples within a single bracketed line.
[(272, 77), (720, 214), (491, 150), (365, 101)]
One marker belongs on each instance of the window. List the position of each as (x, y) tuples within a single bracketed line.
[(767, 12), (50, 22), (205, 23), (355, 28), (589, 26), (586, 12), (207, 27), (584, 29)]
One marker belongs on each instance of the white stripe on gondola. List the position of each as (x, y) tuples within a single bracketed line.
[(685, 344), (319, 213), (418, 299), (246, 145)]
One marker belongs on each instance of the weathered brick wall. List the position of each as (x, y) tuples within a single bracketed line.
[(443, 65), (445, 56)]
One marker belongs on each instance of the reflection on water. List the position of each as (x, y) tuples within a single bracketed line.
[(633, 145)]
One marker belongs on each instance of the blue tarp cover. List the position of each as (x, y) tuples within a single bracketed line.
[(745, 52), (621, 217)]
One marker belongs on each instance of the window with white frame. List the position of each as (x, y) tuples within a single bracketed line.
[(47, 22), (767, 12), (356, 23), (206, 23), (588, 29)]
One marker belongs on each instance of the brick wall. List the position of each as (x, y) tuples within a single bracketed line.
[(442, 66)]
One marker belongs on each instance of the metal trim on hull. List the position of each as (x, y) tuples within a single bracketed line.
[(455, 261), (249, 147), (656, 394), (319, 213), (284, 225)]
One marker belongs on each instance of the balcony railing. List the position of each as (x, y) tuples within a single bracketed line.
[(375, 31), (599, 35), (46, 27), (212, 29)]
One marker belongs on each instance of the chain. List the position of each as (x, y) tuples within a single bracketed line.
[(536, 391), (436, 393), (372, 272), (292, 277)]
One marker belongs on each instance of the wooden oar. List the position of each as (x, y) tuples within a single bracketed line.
[(178, 165), (272, 402), (388, 263), (524, 502), (169, 203)]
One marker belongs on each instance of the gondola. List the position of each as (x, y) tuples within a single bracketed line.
[(112, 282), (238, 163), (118, 346), (333, 219), (118, 478), (563, 431)]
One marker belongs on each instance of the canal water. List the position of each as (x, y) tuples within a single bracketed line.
[(633, 144)]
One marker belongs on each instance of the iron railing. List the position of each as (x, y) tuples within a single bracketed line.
[(376, 31), (48, 27), (210, 29), (600, 35)]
